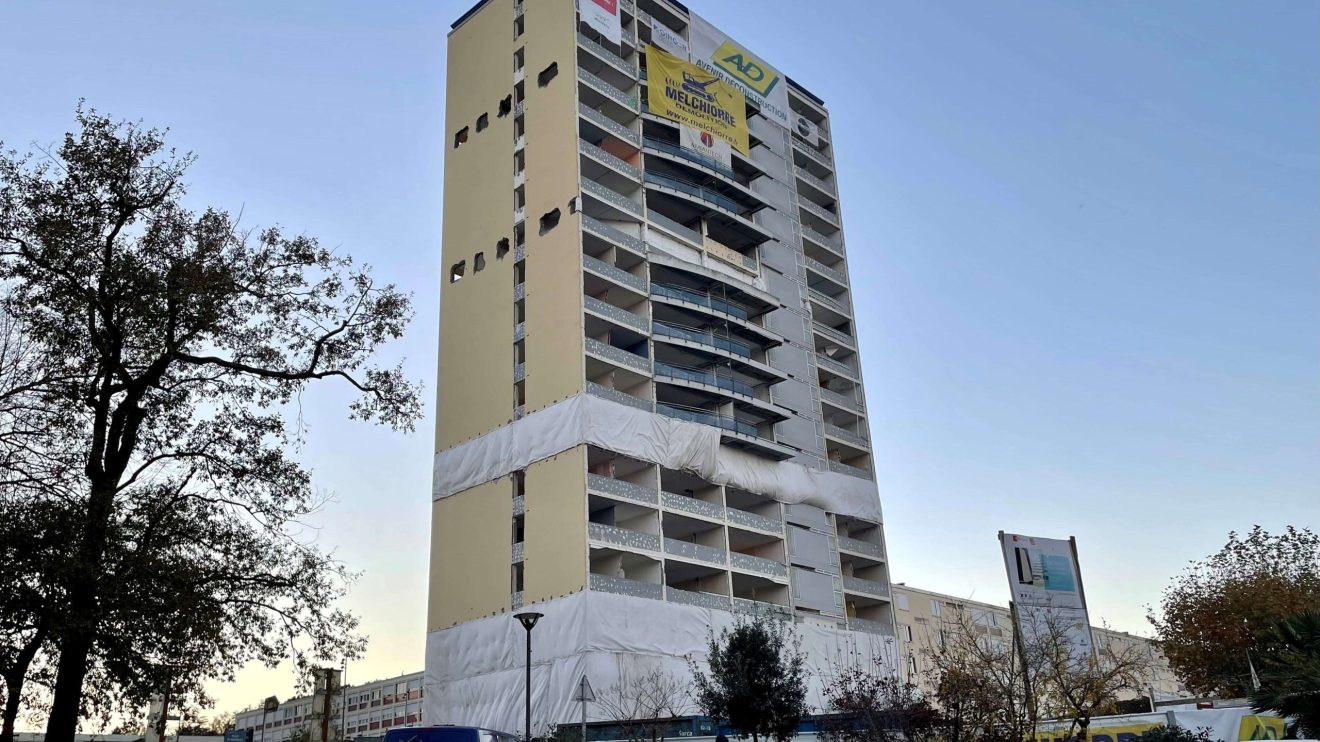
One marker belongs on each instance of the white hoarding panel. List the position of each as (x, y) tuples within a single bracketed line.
[(705, 144), (761, 83), (1046, 586), (668, 39), (603, 15)]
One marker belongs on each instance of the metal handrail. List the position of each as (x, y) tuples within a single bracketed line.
[(692, 189), (689, 154), (691, 414), (703, 377), (704, 337), (695, 297)]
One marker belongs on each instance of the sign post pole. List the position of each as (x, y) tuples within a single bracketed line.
[(584, 694)]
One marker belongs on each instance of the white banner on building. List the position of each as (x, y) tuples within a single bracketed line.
[(807, 129), (603, 15), (705, 144), (668, 39), (1046, 586), (761, 83)]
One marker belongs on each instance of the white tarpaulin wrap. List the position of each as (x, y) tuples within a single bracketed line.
[(673, 444), (475, 671)]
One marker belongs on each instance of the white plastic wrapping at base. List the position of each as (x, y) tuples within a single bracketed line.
[(674, 444), (475, 672)]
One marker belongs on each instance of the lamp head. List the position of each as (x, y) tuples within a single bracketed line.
[(528, 620)]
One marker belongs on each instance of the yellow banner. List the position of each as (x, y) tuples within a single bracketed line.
[(679, 90)]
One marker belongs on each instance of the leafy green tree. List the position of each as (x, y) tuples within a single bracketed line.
[(1221, 609), (165, 345), (1290, 674), (756, 680)]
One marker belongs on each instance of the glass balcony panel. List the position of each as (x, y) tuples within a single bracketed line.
[(706, 418), (703, 337), (689, 155), (681, 294), (692, 189), (703, 377)]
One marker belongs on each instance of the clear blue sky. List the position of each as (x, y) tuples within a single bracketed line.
[(1084, 241)]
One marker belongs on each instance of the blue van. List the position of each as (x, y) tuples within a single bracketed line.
[(447, 733)]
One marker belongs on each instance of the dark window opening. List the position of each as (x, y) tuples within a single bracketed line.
[(549, 220), (460, 137), (506, 106), (547, 74), (456, 271), (479, 262), (483, 121), (518, 26), (501, 248)]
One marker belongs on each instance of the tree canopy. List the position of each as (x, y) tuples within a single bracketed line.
[(756, 680), (1290, 673)]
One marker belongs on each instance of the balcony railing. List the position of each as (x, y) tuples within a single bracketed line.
[(847, 436), (624, 586), (869, 587), (591, 150), (611, 92), (760, 565), (614, 395), (618, 62), (835, 275), (517, 552), (834, 243), (757, 607), (519, 505), (622, 316), (812, 207), (705, 417), (519, 372), (687, 233), (694, 190), (830, 364), (614, 273), (700, 376), (870, 627), (730, 255), (753, 520), (519, 109), (703, 337), (859, 547), (833, 334), (829, 301), (519, 253), (618, 236), (698, 552), (623, 537), (840, 400), (813, 153), (702, 299), (806, 175), (610, 125), (520, 291), (692, 505), (700, 600), (621, 488), (519, 331), (689, 155), (517, 599), (852, 471), (611, 196), (618, 355)]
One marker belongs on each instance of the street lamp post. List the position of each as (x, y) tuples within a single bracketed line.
[(528, 621)]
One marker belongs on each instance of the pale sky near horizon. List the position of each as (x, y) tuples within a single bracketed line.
[(1084, 241)]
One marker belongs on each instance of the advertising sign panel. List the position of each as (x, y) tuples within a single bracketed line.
[(761, 83), (668, 39), (681, 91), (705, 144), (1046, 586), (603, 15), (807, 129)]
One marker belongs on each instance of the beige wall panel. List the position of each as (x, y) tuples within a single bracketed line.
[(555, 366), (555, 527), (475, 389), (471, 549)]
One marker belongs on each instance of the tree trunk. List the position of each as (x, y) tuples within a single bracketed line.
[(82, 611), (14, 682)]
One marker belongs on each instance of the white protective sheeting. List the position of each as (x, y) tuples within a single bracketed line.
[(475, 671), (674, 444)]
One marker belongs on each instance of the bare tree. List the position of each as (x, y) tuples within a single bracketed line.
[(645, 705), (870, 704)]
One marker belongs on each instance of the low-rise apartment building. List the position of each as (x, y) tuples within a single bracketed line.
[(371, 709)]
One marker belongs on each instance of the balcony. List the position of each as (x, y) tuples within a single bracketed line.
[(614, 314), (703, 194), (517, 552), (614, 60), (757, 607), (519, 372), (865, 548), (756, 564), (706, 417), (866, 587), (852, 471), (842, 401), (696, 552), (829, 301), (871, 627), (837, 336), (692, 156), (814, 154), (624, 537), (832, 243), (519, 505), (833, 366), (727, 254), (820, 212), (692, 505), (847, 436), (609, 160), (620, 489), (622, 357), (702, 337), (623, 586), (744, 519), (614, 395), (519, 331), (610, 125), (700, 376), (598, 84), (700, 600), (818, 183), (718, 306), (616, 236), (837, 276), (618, 275), (612, 197)]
